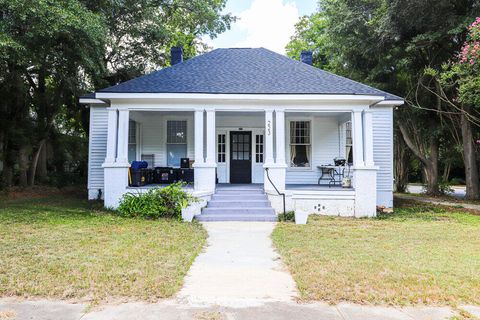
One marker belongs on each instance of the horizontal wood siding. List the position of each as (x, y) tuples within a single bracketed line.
[(383, 151), (97, 147), (153, 141), (325, 147)]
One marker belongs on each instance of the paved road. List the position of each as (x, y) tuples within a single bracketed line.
[(458, 191)]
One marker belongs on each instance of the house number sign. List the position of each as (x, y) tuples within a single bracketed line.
[(269, 127)]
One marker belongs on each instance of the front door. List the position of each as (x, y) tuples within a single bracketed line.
[(240, 157)]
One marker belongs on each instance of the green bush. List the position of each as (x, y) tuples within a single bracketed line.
[(287, 216), (156, 203)]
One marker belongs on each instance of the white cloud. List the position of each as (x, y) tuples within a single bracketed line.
[(266, 23)]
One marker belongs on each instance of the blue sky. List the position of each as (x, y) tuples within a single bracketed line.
[(262, 23)]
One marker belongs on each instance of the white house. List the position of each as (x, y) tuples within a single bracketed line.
[(243, 116)]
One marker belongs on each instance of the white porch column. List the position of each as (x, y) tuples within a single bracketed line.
[(111, 135), (365, 173), (280, 136), (357, 136), (277, 169), (210, 137), (269, 137), (116, 173), (205, 171), (122, 143), (199, 136), (368, 138)]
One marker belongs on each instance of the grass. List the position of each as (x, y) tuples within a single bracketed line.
[(420, 254), (62, 247)]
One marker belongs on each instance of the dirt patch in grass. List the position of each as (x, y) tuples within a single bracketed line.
[(420, 254), (68, 248)]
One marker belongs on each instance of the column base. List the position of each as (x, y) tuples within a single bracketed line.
[(115, 183), (365, 183), (277, 173), (205, 177)]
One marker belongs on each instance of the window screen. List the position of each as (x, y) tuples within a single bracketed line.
[(176, 142)]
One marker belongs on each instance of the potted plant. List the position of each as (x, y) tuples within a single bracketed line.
[(346, 182), (301, 216)]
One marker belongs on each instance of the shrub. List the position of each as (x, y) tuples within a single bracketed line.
[(156, 203), (287, 216)]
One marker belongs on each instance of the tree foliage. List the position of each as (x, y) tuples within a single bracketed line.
[(53, 51), (389, 44)]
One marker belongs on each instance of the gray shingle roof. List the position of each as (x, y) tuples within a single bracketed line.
[(244, 71)]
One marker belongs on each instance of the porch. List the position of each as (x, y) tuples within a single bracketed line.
[(230, 148)]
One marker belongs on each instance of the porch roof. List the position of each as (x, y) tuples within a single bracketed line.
[(245, 71)]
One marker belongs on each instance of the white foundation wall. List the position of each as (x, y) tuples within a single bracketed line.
[(383, 154), (97, 149), (325, 147)]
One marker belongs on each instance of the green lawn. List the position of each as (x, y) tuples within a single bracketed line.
[(61, 247), (420, 254)]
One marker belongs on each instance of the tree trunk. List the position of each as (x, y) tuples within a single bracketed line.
[(7, 174), (446, 172), (429, 161), (469, 158), (401, 164), (33, 166), (23, 165), (42, 164)]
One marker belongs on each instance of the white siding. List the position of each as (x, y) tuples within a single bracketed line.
[(154, 131), (97, 149), (325, 147), (383, 153)]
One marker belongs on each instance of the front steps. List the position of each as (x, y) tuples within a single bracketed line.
[(238, 203)]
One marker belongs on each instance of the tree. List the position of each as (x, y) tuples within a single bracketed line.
[(388, 44), (460, 79), (53, 51)]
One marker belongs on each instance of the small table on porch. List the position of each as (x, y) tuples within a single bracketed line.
[(332, 174)]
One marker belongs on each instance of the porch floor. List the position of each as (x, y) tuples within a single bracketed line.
[(316, 187), (255, 186)]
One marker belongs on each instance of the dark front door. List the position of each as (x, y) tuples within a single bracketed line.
[(240, 157)]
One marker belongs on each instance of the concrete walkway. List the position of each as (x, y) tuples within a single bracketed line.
[(238, 268)]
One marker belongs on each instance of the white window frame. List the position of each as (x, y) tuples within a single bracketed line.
[(138, 139), (262, 144), (346, 124), (166, 137), (288, 139), (224, 143)]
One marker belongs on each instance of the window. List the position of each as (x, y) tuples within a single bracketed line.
[(176, 142), (259, 148), (221, 148), (300, 144), (348, 142), (132, 141)]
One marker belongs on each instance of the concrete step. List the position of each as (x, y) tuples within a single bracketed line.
[(239, 197), (239, 190), (238, 203), (236, 217), (244, 211)]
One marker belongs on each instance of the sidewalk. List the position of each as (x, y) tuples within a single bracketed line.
[(171, 310)]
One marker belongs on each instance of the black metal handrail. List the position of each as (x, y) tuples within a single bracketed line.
[(279, 193)]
